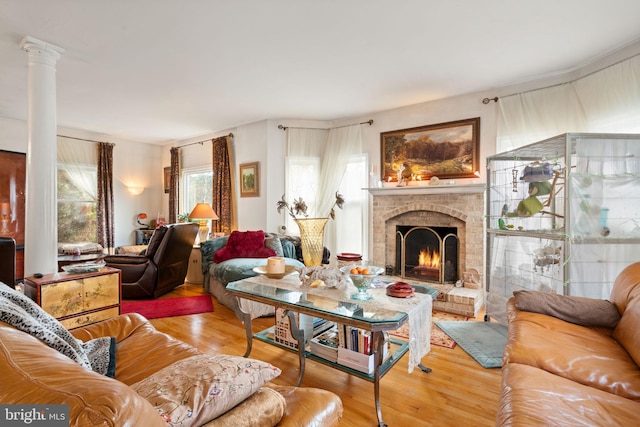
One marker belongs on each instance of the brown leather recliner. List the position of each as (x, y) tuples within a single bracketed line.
[(161, 267)]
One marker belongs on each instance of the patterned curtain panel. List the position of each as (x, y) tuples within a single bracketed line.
[(105, 196), (224, 203), (174, 187)]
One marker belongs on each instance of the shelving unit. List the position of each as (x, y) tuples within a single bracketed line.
[(563, 216)]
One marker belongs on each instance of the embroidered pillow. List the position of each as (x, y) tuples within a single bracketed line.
[(200, 388), (244, 244)]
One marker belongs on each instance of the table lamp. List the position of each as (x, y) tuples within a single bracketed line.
[(203, 212), (142, 216)]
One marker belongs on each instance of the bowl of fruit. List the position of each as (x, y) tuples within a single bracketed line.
[(361, 276)]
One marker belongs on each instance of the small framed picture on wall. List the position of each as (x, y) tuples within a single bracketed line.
[(250, 179)]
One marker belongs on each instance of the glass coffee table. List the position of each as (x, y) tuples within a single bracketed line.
[(375, 320)]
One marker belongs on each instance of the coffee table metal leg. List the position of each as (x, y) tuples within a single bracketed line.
[(298, 335), (245, 318), (378, 356)]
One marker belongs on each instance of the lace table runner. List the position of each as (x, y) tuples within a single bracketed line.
[(418, 309)]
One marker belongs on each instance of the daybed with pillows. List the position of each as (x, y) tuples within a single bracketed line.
[(157, 381), (230, 258), (573, 361)]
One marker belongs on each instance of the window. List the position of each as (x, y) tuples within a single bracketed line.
[(77, 204), (303, 175), (351, 229), (197, 187)]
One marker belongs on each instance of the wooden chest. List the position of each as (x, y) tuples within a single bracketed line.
[(77, 299)]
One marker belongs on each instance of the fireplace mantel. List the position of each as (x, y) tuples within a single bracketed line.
[(427, 189)]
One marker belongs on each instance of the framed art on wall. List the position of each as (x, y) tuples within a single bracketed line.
[(444, 150), (249, 179), (167, 179)]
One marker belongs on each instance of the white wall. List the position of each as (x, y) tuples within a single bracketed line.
[(13, 135)]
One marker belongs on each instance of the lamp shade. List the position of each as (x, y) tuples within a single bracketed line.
[(203, 211)]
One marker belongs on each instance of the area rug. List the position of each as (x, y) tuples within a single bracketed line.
[(168, 307), (438, 337), (484, 341)]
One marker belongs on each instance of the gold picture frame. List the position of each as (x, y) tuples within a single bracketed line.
[(250, 179), (444, 150)]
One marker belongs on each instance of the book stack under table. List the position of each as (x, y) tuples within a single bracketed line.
[(347, 346)]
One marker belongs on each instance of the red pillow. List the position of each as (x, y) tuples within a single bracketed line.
[(244, 244)]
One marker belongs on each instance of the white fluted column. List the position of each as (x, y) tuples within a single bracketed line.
[(41, 223)]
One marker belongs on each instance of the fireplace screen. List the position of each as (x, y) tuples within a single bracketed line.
[(427, 253)]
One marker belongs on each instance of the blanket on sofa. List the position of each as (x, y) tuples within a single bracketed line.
[(24, 314)]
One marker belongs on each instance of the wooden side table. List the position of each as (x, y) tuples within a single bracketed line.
[(194, 272), (77, 299), (143, 236)]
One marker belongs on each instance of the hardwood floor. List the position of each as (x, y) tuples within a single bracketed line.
[(459, 392)]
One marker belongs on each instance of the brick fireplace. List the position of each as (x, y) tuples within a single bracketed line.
[(449, 207)]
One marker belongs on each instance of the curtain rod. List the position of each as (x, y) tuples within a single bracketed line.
[(206, 140), (487, 100), (368, 122), (80, 139)]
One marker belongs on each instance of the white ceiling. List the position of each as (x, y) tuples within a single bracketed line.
[(161, 70)]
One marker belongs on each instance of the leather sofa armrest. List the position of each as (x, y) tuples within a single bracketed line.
[(119, 327), (126, 259)]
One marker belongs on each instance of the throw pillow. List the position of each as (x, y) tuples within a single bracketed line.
[(244, 244), (578, 310), (21, 312), (288, 248), (273, 242), (200, 388)]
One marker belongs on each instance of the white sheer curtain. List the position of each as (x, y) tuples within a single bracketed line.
[(342, 144), (316, 163), (80, 160), (605, 101), (304, 157)]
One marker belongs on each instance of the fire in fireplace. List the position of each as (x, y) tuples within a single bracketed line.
[(427, 253)]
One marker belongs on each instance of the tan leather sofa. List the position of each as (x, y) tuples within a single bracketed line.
[(33, 373), (559, 373)]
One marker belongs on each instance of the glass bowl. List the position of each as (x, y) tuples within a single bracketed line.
[(361, 277)]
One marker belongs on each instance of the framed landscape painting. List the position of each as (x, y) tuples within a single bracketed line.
[(249, 179), (444, 150)]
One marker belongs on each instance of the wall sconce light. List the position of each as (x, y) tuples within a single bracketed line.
[(135, 191)]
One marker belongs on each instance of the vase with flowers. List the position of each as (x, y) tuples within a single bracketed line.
[(311, 229)]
